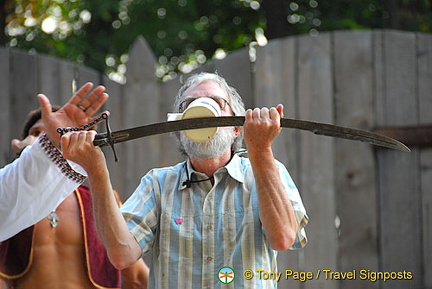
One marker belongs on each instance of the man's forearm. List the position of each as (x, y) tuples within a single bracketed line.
[(276, 212), (123, 250)]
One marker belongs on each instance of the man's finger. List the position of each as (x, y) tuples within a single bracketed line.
[(81, 93), (44, 104), (274, 113), (280, 110), (97, 103), (93, 96)]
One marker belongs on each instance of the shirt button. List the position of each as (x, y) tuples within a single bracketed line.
[(209, 259)]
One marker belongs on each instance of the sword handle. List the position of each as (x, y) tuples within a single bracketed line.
[(101, 140)]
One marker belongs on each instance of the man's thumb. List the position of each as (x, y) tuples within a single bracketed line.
[(44, 104)]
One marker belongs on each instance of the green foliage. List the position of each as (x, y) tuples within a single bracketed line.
[(181, 33), (31, 26), (185, 33)]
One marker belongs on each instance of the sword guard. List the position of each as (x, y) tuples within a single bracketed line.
[(109, 138)]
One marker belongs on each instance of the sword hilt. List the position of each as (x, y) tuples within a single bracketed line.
[(101, 139), (110, 140), (104, 139)]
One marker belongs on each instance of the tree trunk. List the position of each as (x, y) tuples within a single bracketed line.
[(276, 13), (3, 13)]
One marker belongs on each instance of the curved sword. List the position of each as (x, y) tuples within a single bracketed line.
[(111, 138)]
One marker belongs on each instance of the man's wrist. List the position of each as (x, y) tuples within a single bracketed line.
[(260, 152), (57, 158), (54, 139)]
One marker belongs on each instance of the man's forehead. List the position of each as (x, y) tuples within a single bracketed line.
[(39, 125), (205, 88)]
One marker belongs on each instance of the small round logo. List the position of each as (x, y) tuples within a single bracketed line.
[(226, 275)]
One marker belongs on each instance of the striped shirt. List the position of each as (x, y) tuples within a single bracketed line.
[(194, 232)]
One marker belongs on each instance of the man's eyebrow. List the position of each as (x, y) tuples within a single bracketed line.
[(198, 96)]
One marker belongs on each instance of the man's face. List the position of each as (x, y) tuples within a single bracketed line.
[(209, 89), (224, 136), (34, 132)]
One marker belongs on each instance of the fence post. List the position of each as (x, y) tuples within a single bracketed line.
[(141, 102)]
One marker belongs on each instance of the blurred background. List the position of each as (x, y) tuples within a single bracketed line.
[(362, 64), (184, 34)]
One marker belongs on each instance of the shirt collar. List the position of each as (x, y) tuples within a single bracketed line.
[(234, 169)]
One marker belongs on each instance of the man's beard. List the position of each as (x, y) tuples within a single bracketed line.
[(215, 147)]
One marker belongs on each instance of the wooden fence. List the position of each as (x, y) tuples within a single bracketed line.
[(370, 209)]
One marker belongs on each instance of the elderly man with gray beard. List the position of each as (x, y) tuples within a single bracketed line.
[(211, 218)]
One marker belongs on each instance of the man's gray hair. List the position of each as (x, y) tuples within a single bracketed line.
[(235, 100)]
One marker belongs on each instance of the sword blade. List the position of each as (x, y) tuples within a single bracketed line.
[(102, 139)]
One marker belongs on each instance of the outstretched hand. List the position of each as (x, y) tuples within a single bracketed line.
[(76, 112)]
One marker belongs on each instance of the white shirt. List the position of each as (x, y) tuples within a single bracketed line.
[(34, 185)]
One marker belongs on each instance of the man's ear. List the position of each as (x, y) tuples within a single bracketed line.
[(16, 146), (237, 131)]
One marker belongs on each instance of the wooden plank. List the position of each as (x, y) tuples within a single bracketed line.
[(274, 83), (236, 69), (424, 62), (6, 117), (142, 97), (115, 105), (47, 74), (83, 75), (316, 182), (170, 155), (67, 72), (86, 74), (400, 245), (55, 78), (209, 66), (23, 85), (356, 191)]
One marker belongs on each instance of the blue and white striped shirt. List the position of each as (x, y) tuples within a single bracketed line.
[(194, 232)]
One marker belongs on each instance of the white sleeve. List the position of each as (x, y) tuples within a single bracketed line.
[(34, 185)]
